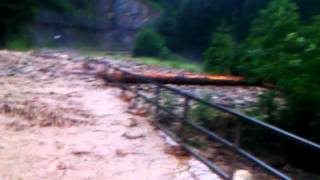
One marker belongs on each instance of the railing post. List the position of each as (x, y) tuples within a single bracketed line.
[(136, 91), (236, 145), (136, 95), (123, 89), (157, 101), (186, 108)]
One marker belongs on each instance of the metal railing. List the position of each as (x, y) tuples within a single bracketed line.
[(234, 145)]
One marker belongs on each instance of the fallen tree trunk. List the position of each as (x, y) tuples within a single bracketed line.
[(124, 76), (186, 79)]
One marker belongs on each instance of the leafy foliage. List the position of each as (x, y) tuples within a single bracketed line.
[(188, 24), (18, 42), (282, 51), (149, 43), (220, 56), (281, 48), (267, 37)]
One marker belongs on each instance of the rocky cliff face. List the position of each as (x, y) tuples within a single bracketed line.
[(108, 24)]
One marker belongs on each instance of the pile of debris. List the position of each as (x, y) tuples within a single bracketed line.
[(24, 98)]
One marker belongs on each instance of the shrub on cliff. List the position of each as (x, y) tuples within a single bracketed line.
[(150, 44)]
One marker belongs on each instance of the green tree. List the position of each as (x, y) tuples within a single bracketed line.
[(166, 25), (150, 43), (282, 51), (247, 13), (265, 43), (187, 24), (220, 55), (273, 45), (196, 20)]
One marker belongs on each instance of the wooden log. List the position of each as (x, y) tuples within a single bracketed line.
[(111, 74), (185, 79)]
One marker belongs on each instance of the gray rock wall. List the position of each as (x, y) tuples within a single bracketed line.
[(112, 25)]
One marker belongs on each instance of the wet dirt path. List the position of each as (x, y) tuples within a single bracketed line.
[(54, 126)]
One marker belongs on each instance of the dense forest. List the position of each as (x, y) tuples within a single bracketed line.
[(187, 25), (269, 41)]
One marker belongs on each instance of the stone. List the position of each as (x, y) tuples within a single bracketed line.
[(133, 135), (242, 175)]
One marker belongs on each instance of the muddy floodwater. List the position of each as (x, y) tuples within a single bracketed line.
[(55, 125)]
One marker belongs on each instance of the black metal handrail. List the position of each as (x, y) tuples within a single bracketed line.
[(244, 118)]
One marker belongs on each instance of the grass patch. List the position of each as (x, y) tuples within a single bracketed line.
[(18, 44), (174, 61), (177, 63), (91, 53)]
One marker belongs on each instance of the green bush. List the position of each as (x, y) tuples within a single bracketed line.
[(220, 56), (19, 42), (150, 44)]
